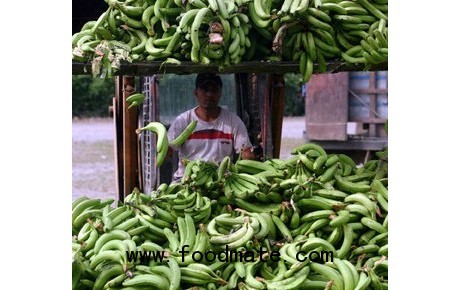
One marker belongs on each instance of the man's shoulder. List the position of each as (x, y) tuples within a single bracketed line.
[(230, 115), (187, 115), (225, 112)]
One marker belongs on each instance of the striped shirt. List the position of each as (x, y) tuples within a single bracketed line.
[(210, 141)]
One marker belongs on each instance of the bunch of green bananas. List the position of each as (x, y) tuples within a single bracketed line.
[(84, 208), (199, 174), (329, 229), (225, 32), (232, 232), (191, 202)]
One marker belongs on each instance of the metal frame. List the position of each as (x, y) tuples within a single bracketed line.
[(148, 113)]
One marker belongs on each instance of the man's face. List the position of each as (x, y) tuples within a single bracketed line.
[(209, 96)]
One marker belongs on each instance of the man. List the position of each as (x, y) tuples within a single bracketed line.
[(218, 133)]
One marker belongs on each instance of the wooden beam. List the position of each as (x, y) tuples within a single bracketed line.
[(188, 67), (263, 90), (277, 86), (130, 161), (118, 137)]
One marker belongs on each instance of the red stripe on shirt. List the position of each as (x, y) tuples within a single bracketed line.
[(210, 134)]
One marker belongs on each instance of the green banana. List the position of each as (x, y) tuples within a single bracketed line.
[(151, 280), (373, 225), (179, 140), (162, 139), (107, 273), (282, 228)]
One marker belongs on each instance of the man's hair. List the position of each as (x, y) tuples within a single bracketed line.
[(204, 79)]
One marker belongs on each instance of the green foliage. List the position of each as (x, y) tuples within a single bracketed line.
[(295, 102), (91, 97)]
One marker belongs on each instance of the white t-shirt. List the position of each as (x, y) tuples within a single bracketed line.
[(210, 141)]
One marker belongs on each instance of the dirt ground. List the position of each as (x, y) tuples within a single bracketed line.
[(93, 169)]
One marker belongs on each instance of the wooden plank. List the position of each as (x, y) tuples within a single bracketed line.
[(278, 103), (188, 67), (326, 105), (118, 137), (250, 101), (130, 161), (263, 90)]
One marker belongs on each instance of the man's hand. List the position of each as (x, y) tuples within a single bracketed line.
[(247, 153)]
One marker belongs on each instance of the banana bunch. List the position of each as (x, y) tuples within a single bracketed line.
[(126, 32), (225, 32), (142, 216), (157, 276), (215, 33), (372, 48), (286, 278), (257, 207), (200, 274), (315, 162), (200, 174), (152, 226), (239, 180), (162, 139), (189, 241), (305, 33), (252, 167), (240, 185), (84, 209), (227, 230), (190, 202), (107, 266), (306, 220), (317, 31)]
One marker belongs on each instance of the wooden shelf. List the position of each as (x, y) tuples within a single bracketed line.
[(145, 68)]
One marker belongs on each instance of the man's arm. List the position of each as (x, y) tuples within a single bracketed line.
[(242, 143)]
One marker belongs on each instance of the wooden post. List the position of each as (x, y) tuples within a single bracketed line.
[(277, 86), (248, 104), (263, 90), (118, 137), (130, 151)]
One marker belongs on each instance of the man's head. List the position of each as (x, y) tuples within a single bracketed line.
[(208, 90), (206, 80)]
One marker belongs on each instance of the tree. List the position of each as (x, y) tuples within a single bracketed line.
[(91, 97), (295, 101)]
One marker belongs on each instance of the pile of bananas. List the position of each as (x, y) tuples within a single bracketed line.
[(314, 221), (226, 32)]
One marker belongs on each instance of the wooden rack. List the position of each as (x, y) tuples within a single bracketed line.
[(187, 67)]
